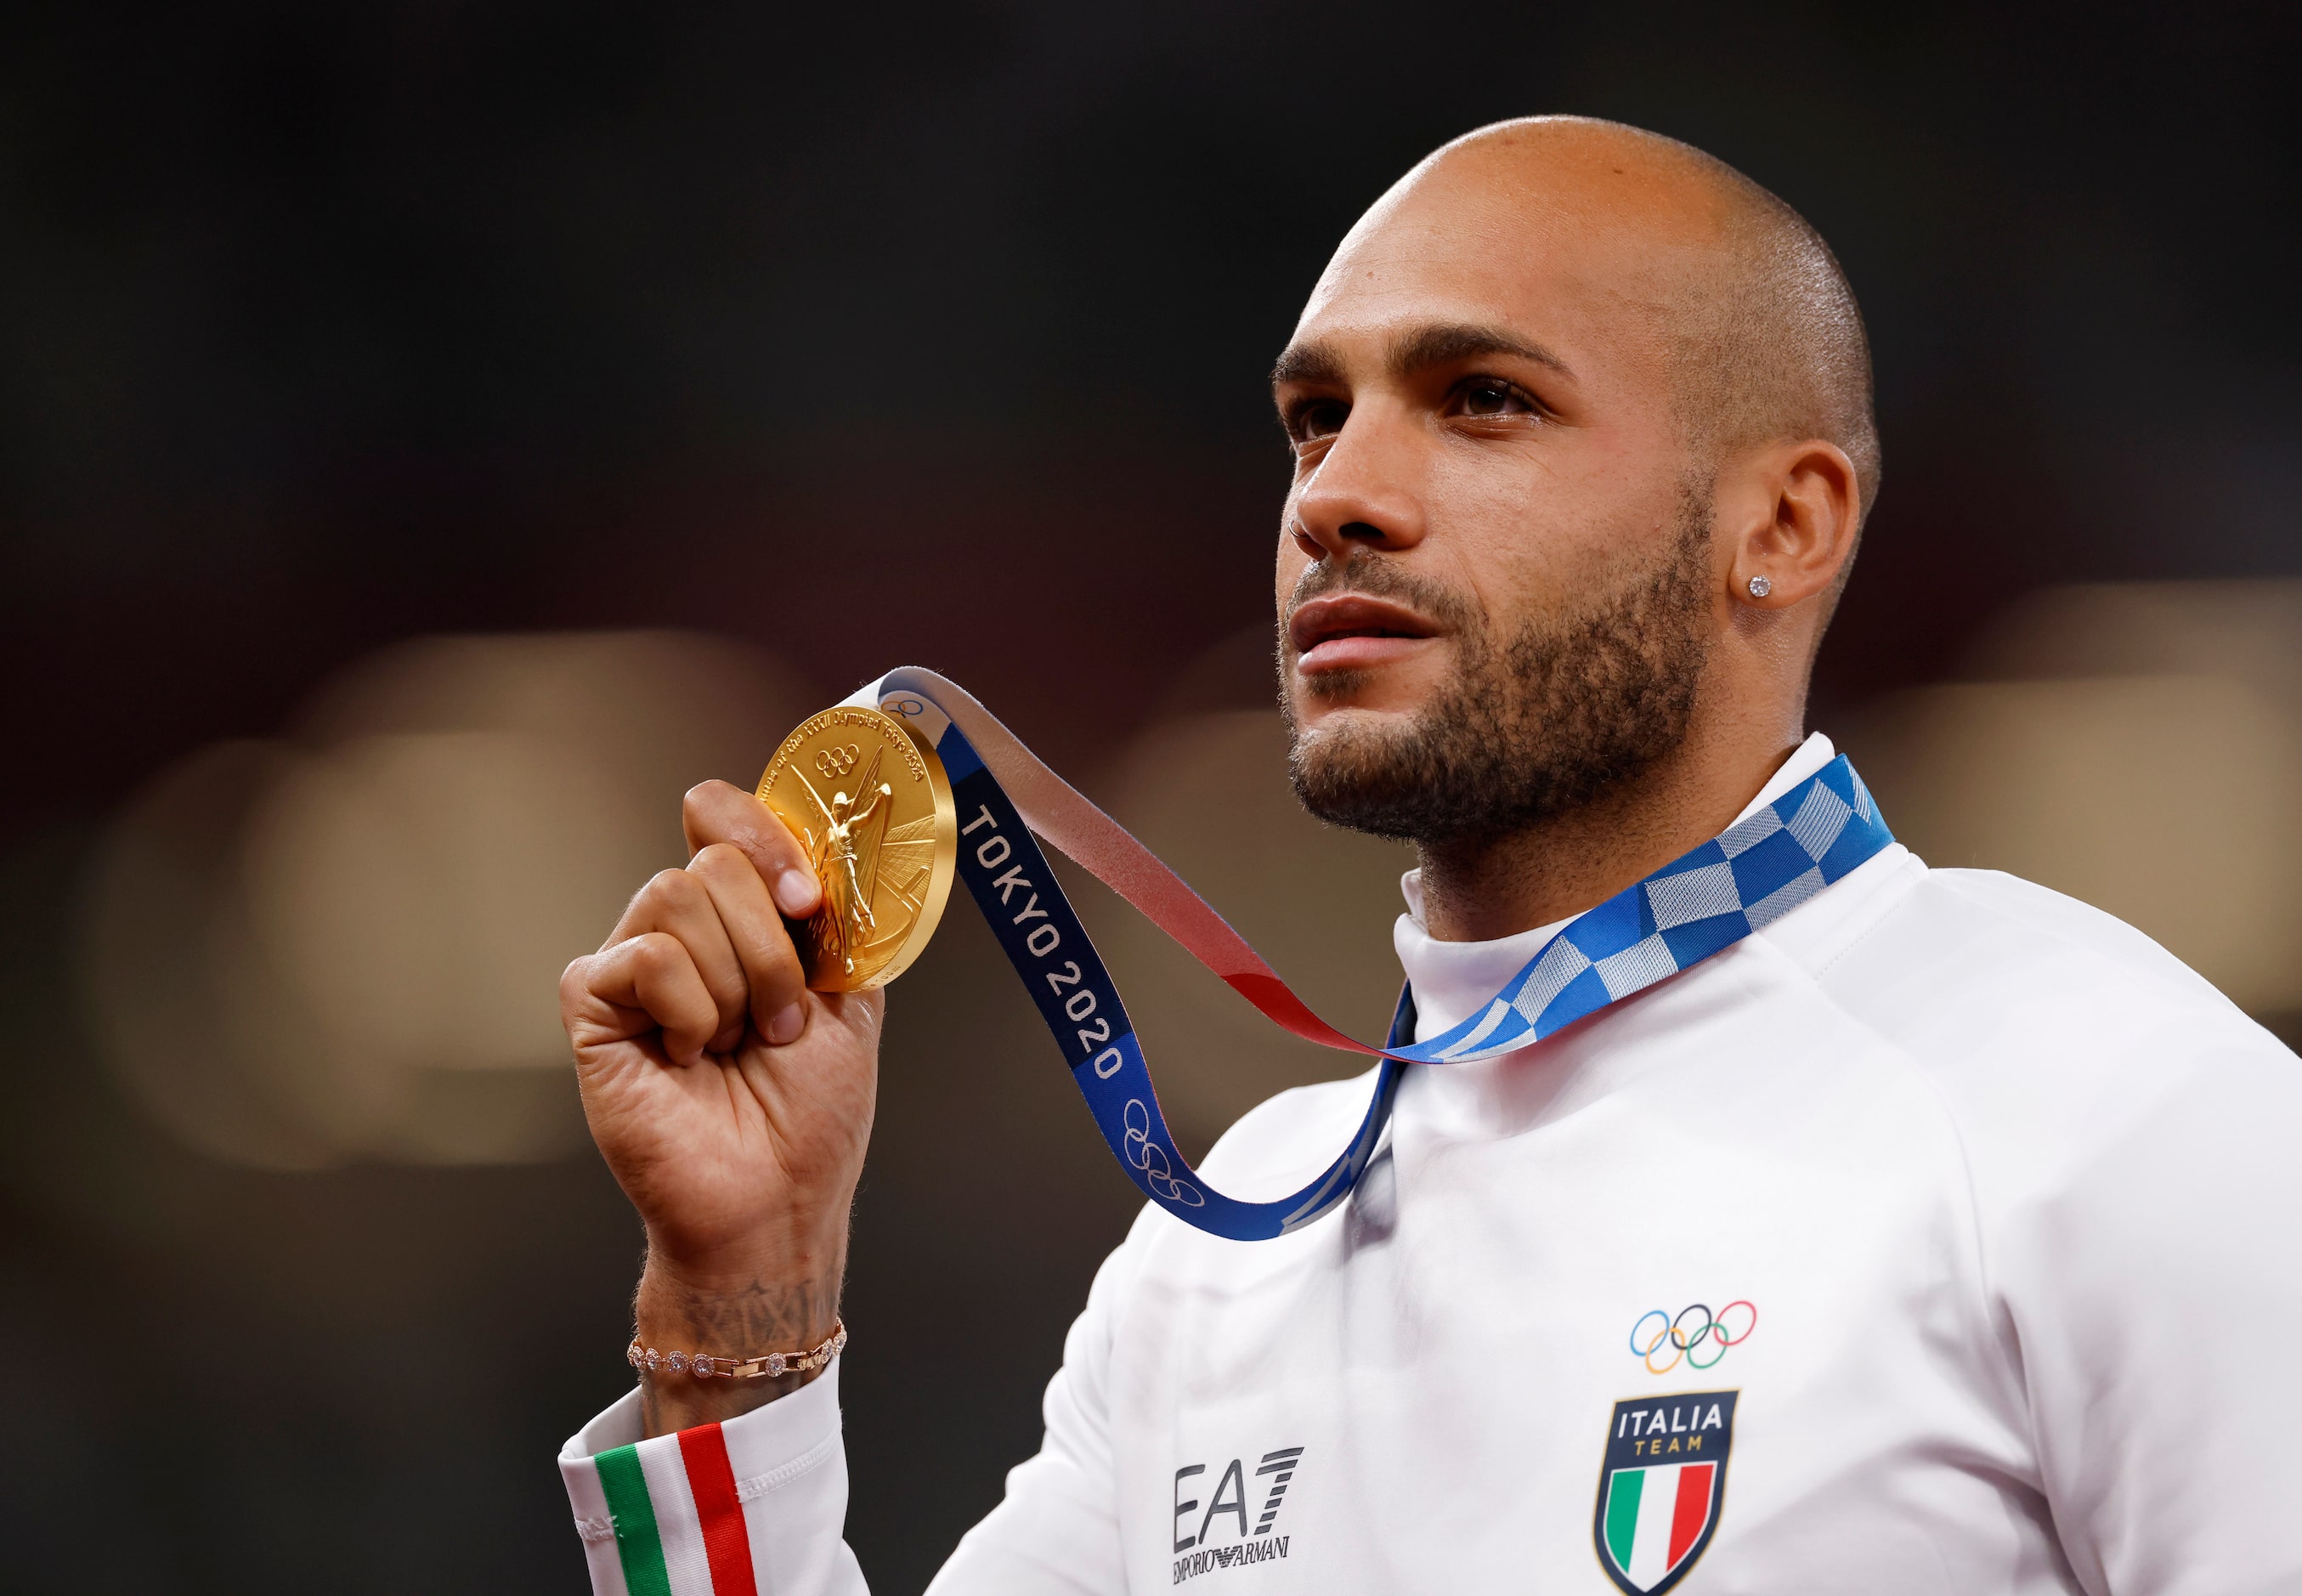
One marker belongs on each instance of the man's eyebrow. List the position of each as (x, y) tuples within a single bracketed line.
[(1444, 343), (1309, 363)]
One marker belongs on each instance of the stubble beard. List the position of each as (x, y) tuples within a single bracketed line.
[(1564, 709)]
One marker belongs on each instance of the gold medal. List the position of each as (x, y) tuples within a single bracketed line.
[(872, 807)]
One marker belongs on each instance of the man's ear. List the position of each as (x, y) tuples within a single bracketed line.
[(1800, 507)]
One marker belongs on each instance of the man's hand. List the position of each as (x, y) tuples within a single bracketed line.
[(733, 1104)]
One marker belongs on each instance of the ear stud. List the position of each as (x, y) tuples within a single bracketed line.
[(1760, 587)]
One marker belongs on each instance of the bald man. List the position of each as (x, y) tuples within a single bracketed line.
[(1938, 1236)]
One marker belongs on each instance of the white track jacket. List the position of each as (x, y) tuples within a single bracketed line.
[(1945, 1237)]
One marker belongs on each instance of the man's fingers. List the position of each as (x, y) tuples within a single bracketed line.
[(716, 812), (653, 973), (702, 951), (756, 931), (677, 903)]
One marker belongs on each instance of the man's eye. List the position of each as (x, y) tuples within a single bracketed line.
[(1321, 418), (1493, 399)]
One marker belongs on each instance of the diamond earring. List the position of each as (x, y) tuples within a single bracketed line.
[(1760, 587)]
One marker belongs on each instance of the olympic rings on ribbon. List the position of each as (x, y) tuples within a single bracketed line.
[(1686, 1341), (1151, 1158)]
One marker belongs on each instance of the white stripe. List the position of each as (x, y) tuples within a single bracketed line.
[(1651, 1542), (1558, 967), (1744, 835), (1785, 898), (1480, 1032), (930, 721), (677, 1523), (1521, 1035), (596, 1525), (1818, 821), (1637, 966), (1694, 895)]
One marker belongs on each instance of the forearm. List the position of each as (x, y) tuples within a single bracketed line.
[(642, 1504)]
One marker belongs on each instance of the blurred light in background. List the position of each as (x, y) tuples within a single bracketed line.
[(344, 944), (347, 944), (2137, 746)]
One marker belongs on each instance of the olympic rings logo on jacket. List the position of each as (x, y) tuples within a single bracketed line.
[(1688, 1333)]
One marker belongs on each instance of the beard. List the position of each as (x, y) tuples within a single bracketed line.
[(1552, 716)]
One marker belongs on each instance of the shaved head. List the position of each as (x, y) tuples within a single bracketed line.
[(1763, 333), (1769, 342)]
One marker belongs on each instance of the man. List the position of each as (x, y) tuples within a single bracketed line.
[(1936, 1237)]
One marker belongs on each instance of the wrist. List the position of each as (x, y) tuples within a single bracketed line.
[(734, 1313), (786, 1251), (726, 1311)]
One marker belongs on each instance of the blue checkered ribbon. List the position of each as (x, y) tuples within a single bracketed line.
[(1758, 869)]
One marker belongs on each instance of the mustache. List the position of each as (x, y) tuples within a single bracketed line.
[(1378, 577)]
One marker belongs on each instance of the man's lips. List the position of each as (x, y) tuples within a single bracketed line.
[(1352, 632)]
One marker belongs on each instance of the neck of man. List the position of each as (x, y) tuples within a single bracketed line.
[(1479, 888)]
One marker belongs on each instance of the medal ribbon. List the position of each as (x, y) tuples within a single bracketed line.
[(1757, 869)]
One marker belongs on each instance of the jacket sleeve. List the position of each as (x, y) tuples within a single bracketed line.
[(759, 1504), (2150, 1288), (741, 1509)]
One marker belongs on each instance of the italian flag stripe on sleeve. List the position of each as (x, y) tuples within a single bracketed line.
[(679, 1522), (636, 1545), (711, 1480)]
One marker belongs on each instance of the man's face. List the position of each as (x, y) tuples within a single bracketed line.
[(1495, 577)]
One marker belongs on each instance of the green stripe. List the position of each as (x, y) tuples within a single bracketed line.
[(1622, 1514), (636, 1541)]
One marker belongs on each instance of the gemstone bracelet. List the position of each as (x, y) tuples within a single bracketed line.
[(648, 1360)]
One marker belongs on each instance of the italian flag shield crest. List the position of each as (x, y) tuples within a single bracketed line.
[(1662, 1487)]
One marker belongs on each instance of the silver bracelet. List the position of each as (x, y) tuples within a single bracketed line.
[(647, 1360)]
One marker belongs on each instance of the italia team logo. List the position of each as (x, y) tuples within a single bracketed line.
[(1661, 1486)]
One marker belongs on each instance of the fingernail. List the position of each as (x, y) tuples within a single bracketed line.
[(786, 1026), (795, 893)]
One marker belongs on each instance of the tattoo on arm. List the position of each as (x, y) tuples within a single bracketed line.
[(762, 1316)]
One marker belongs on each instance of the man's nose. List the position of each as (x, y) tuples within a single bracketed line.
[(1365, 492)]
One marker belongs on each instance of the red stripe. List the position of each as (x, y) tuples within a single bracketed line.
[(1691, 1511), (1280, 1006), (712, 1479)]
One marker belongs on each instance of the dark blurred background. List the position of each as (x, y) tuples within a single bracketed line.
[(432, 436)]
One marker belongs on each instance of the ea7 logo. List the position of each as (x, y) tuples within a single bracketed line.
[(1223, 1516)]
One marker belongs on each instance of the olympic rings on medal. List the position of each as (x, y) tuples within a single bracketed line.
[(1688, 1332), (832, 763), (1151, 1158)]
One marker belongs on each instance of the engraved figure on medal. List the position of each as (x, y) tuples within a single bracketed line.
[(847, 858), (882, 839)]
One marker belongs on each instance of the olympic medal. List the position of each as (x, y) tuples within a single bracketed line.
[(871, 805)]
